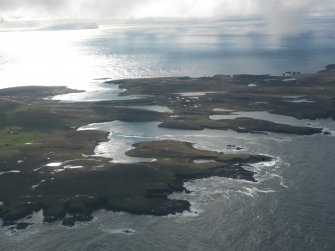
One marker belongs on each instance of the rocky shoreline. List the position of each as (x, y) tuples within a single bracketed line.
[(46, 164)]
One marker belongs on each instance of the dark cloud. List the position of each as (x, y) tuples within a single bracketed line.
[(289, 17)]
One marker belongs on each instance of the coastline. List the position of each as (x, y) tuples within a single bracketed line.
[(34, 125)]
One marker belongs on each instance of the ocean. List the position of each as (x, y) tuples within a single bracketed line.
[(291, 207), (80, 59)]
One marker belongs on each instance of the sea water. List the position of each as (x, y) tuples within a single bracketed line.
[(83, 59), (290, 207)]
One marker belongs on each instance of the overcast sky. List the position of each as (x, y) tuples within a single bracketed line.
[(280, 14), (123, 9)]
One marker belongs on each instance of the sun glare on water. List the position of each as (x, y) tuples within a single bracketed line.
[(46, 58)]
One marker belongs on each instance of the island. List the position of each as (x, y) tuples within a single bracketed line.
[(47, 164)]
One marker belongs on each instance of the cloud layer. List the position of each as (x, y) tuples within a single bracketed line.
[(282, 15), (160, 8)]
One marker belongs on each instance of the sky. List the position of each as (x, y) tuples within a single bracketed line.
[(279, 14)]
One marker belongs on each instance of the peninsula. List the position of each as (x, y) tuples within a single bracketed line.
[(47, 164)]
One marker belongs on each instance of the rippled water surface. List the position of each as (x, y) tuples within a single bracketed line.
[(79, 58), (290, 207)]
